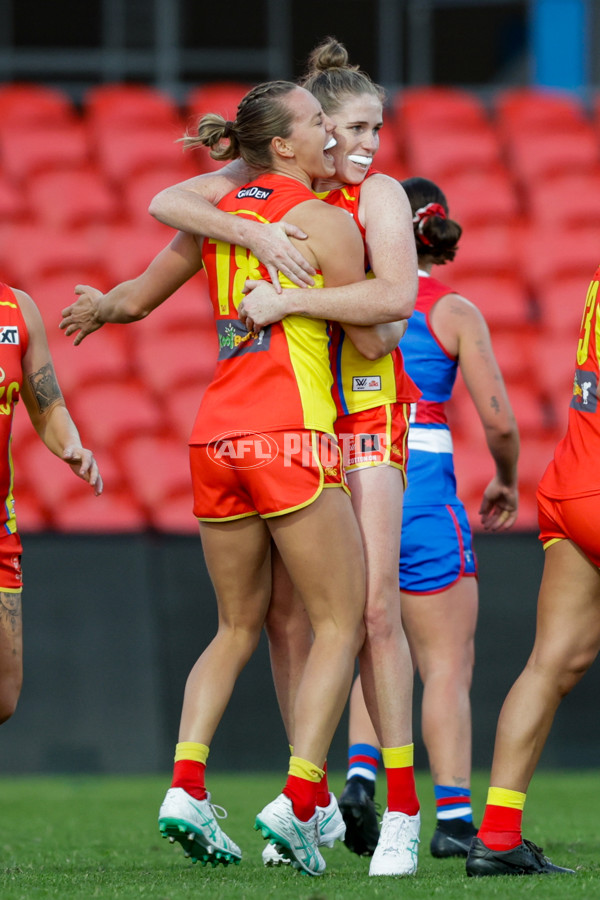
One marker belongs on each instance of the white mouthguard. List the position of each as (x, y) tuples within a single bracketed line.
[(361, 160), (330, 143)]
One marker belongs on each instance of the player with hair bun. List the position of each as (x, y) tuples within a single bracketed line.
[(438, 568)]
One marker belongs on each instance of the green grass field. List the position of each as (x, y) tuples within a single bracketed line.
[(84, 837)]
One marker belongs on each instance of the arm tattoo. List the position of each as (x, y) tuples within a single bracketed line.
[(10, 611), (45, 387), (494, 404)]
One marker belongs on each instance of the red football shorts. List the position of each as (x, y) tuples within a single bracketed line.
[(375, 437), (11, 578), (265, 474), (576, 519)]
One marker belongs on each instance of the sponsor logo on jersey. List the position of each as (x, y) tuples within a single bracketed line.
[(366, 383), (234, 340), (9, 334), (585, 391), (258, 193)]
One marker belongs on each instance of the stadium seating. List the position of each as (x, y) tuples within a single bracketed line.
[(222, 97), (124, 153), (25, 151), (29, 104), (129, 107), (536, 109), (72, 198), (431, 108), (482, 198), (521, 172)]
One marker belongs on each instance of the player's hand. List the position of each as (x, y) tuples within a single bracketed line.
[(84, 465), (81, 317), (275, 251), (499, 506), (262, 305)]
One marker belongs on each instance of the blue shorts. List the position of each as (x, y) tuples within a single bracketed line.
[(436, 549)]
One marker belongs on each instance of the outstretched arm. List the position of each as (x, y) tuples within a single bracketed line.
[(134, 299), (44, 401), (485, 384), (191, 206)]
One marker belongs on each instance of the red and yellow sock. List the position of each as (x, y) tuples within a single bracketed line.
[(501, 825), (400, 774), (323, 788), (302, 786), (189, 768)]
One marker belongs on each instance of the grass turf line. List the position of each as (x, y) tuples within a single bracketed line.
[(85, 837)]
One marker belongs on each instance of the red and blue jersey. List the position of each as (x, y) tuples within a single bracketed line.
[(431, 478)]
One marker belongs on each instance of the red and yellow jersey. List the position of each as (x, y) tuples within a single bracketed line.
[(574, 471), (278, 378), (14, 339), (360, 383)]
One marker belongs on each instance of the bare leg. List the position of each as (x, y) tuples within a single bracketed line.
[(385, 662), (360, 727), (441, 632), (238, 560), (11, 653), (322, 551), (290, 638), (566, 643)]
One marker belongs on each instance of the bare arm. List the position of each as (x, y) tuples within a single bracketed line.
[(134, 299), (44, 401), (388, 297), (191, 206), (464, 332)]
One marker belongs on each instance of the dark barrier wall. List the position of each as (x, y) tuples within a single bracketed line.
[(113, 625)]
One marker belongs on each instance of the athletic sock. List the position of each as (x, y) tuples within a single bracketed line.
[(323, 788), (400, 774), (302, 786), (501, 825), (452, 803), (363, 760), (189, 768)]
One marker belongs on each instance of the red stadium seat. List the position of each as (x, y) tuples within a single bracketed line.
[(515, 354), (221, 97), (551, 255), (32, 515), (182, 409), (128, 250), (432, 108), (485, 250), (116, 512), (25, 151), (29, 252), (530, 109), (13, 205), (560, 304), (129, 107), (65, 199), (124, 153), (156, 469), (485, 198), (170, 359), (534, 156), (112, 412), (138, 190), (503, 300), (564, 201), (101, 357), (452, 152), (28, 104)]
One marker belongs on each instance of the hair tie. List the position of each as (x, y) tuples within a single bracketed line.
[(228, 129), (425, 213)]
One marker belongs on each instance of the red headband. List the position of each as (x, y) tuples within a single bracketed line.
[(424, 213)]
